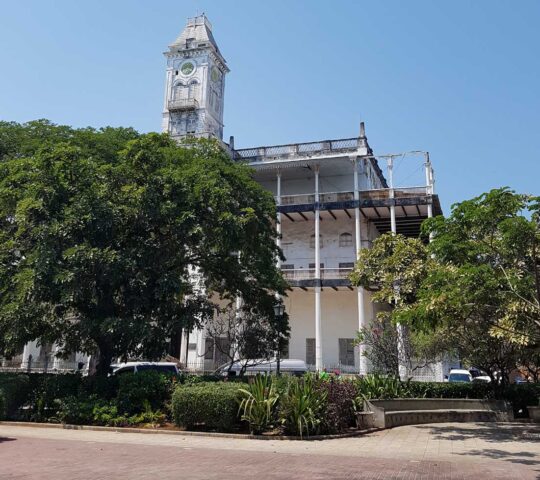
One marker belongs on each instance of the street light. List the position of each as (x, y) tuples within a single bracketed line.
[(279, 312)]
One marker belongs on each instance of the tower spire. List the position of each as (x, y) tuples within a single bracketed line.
[(195, 82)]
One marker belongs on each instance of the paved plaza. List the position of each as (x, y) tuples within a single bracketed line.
[(440, 451)]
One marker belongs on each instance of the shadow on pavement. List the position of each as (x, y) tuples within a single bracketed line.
[(488, 432), (7, 439)]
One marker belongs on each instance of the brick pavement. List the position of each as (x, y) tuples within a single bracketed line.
[(441, 451)]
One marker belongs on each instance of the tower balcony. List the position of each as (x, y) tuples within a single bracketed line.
[(182, 104)]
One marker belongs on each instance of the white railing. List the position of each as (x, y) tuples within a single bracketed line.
[(309, 273), (375, 194), (300, 149)]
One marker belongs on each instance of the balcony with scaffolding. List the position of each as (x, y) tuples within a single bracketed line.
[(182, 104)]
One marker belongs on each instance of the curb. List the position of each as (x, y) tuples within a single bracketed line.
[(188, 433)]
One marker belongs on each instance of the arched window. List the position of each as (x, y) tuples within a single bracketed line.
[(345, 240), (193, 91), (312, 241), (179, 91)]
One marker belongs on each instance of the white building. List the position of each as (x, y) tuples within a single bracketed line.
[(333, 198)]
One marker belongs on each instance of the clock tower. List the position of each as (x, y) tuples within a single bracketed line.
[(195, 83)]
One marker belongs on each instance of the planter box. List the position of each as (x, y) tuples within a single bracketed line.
[(365, 420), (534, 413)]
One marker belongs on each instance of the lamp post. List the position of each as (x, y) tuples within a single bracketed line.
[(279, 312)]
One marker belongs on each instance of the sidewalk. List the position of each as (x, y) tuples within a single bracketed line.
[(449, 451)]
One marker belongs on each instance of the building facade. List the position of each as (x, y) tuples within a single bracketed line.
[(333, 198)]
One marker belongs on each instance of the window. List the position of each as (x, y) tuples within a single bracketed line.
[(193, 91), (346, 265), (345, 240), (287, 266), (312, 266), (192, 346), (179, 91), (310, 351), (346, 351), (312, 241)]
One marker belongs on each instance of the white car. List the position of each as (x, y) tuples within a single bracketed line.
[(136, 367), (458, 375), (262, 366)]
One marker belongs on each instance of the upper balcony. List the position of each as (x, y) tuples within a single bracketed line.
[(181, 104), (329, 277), (301, 150)]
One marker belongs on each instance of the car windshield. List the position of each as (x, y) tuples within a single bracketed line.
[(158, 368), (459, 377)]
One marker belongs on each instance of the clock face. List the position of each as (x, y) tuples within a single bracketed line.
[(214, 74), (187, 68)]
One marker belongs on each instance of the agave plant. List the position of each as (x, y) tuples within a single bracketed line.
[(302, 406), (381, 387), (258, 403)]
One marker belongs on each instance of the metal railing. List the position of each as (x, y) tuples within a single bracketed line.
[(182, 104), (41, 365), (376, 194), (300, 149), (309, 273)]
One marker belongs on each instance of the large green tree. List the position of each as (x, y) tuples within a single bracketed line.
[(474, 289), (102, 234)]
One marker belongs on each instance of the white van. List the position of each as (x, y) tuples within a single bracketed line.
[(263, 366), (136, 367)]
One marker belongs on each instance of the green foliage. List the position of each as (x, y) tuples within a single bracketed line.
[(102, 227), (209, 405), (339, 410), (393, 260), (302, 406), (376, 386), (259, 401), (74, 410), (137, 390), (2, 405), (16, 389)]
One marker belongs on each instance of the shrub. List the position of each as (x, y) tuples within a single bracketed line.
[(339, 412), (2, 405), (137, 389), (377, 386), (212, 405), (76, 410), (48, 390), (302, 406), (259, 400), (450, 390), (16, 389)]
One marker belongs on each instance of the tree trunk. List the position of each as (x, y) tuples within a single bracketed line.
[(105, 357)]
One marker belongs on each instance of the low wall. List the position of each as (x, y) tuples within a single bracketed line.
[(412, 411)]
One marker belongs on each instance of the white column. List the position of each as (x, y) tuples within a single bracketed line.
[(390, 163), (184, 341), (362, 361), (318, 333), (429, 185), (278, 214)]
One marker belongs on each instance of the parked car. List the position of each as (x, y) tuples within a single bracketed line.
[(479, 375), (262, 366), (458, 375), (136, 367)]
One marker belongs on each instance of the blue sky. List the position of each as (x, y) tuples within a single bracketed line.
[(459, 78)]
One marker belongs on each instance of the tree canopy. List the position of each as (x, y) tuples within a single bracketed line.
[(103, 232), (474, 290)]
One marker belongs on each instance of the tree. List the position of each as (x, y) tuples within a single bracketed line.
[(100, 235), (393, 269), (492, 249), (473, 290), (247, 335)]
